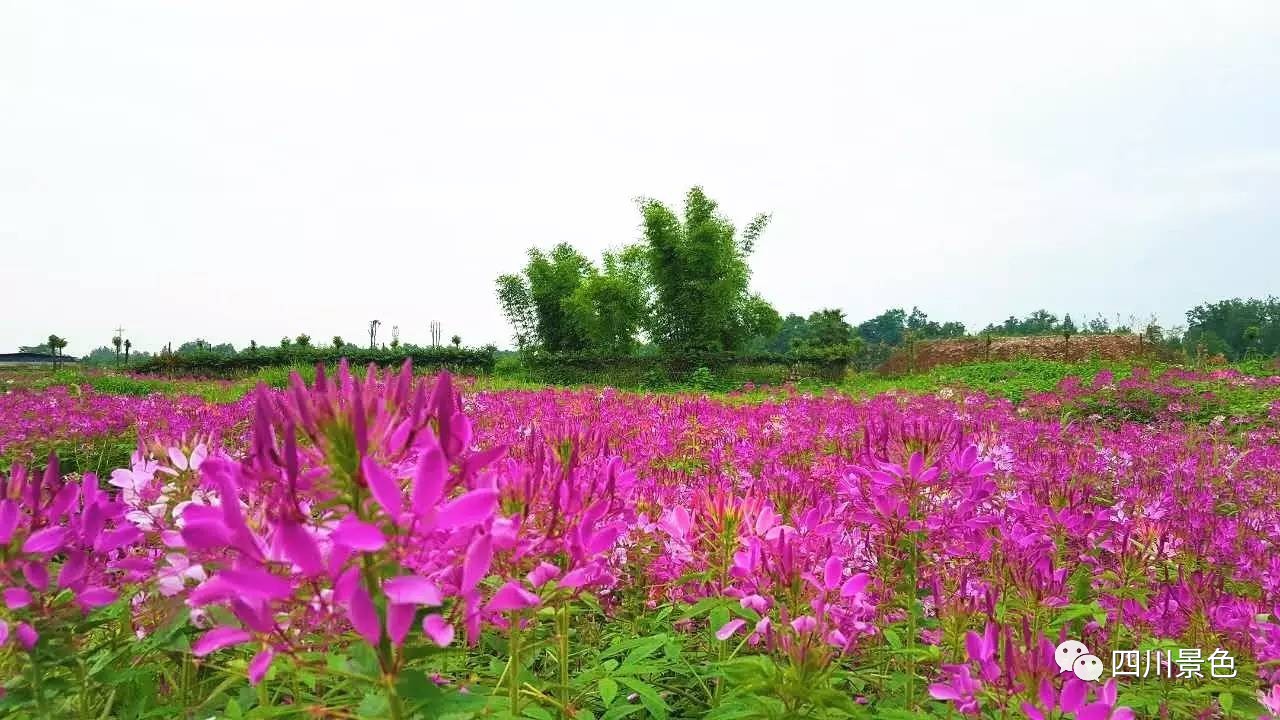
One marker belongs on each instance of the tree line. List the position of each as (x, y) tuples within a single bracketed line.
[(684, 288)]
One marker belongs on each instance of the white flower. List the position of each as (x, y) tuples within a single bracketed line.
[(182, 462), (173, 579)]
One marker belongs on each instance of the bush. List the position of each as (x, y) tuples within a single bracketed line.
[(207, 364)]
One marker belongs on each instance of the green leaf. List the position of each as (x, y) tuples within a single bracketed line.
[(1226, 701), (892, 637), (649, 697), (374, 704), (608, 688), (233, 710), (620, 711)]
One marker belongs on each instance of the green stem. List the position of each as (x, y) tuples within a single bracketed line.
[(395, 705), (513, 678), (84, 689), (562, 620), (36, 688)]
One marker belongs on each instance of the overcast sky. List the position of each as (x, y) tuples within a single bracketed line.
[(246, 170)]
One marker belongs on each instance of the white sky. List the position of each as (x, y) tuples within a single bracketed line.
[(237, 170)]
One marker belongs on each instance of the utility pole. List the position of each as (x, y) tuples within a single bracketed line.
[(435, 333), (117, 341)]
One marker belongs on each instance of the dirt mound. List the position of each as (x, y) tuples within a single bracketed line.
[(926, 354)]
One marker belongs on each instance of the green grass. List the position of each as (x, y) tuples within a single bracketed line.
[(1013, 379)]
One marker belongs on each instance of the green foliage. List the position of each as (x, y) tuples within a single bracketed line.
[(563, 303), (728, 370), (700, 277), (457, 359), (1236, 328), (200, 346), (827, 328)]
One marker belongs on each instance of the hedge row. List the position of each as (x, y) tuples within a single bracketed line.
[(659, 370), (460, 360)]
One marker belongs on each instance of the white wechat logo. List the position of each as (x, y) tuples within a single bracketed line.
[(1074, 656)]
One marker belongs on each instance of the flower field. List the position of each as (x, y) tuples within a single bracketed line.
[(390, 545)]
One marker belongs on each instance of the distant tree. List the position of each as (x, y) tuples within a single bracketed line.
[(540, 302), (41, 349), (1153, 333), (1238, 327), (117, 341), (456, 340), (923, 328), (698, 267), (253, 346), (791, 330), (610, 307), (338, 344), (201, 345), (127, 344), (303, 340), (887, 328), (827, 328), (1067, 327), (56, 344), (285, 342), (1098, 326), (101, 356)]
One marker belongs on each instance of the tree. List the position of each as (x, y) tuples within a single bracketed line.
[(338, 344), (117, 341), (611, 306), (303, 340), (516, 300), (200, 345), (888, 328), (456, 340), (127, 344), (1238, 327), (698, 268), (827, 328), (1098, 326), (925, 329), (56, 344), (101, 356), (285, 342), (540, 303), (791, 330)]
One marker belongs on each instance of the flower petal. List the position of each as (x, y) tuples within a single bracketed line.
[(364, 616), (412, 590), (512, 597), (429, 479), (476, 564), (96, 597), (218, 638), (301, 548), (729, 628), (440, 632), (353, 533), (468, 509), (259, 665), (399, 620), (48, 540), (384, 487)]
